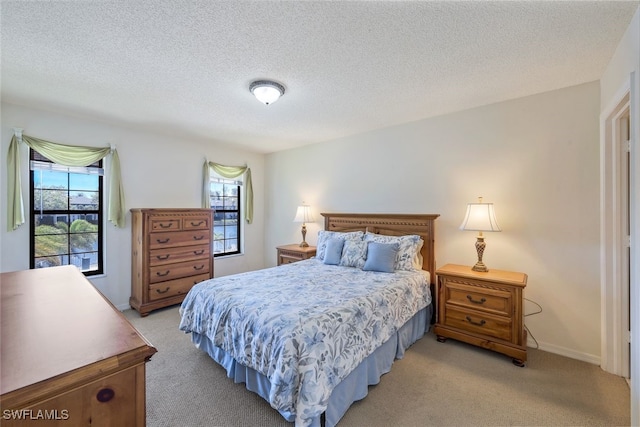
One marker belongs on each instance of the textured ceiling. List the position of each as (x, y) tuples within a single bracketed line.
[(183, 67)]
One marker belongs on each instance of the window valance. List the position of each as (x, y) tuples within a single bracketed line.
[(229, 172), (66, 155)]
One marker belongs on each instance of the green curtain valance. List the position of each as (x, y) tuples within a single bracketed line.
[(66, 155), (229, 172)]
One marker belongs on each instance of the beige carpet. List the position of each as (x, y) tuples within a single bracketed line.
[(436, 384)]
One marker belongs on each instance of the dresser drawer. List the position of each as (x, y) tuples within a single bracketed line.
[(479, 322), (195, 223), (165, 224), (180, 253), (171, 288), (288, 259), (162, 273), (178, 238), (294, 253), (491, 300)]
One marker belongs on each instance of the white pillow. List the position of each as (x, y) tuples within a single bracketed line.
[(408, 257), (323, 236), (354, 253)]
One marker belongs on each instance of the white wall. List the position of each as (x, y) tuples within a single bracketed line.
[(158, 172), (625, 60), (535, 158)]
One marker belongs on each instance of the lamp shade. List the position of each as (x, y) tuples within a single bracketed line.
[(480, 217), (303, 214), (266, 91)]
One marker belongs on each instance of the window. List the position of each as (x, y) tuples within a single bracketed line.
[(225, 199), (66, 215)]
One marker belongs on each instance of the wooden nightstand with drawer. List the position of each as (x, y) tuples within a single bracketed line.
[(293, 253), (483, 309)]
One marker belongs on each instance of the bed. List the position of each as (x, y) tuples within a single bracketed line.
[(311, 336)]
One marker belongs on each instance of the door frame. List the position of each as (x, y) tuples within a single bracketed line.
[(614, 316), (610, 233)]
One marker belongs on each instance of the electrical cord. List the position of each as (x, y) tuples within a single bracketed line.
[(535, 312), (531, 335), (531, 314)]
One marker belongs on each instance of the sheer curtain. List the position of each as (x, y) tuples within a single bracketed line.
[(66, 155), (229, 172)]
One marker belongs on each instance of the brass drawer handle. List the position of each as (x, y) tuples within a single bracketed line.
[(200, 252), (165, 225), (105, 395), (163, 257), (163, 240), (193, 224), (198, 268), (480, 323), (475, 301), (163, 274), (198, 237), (163, 292)]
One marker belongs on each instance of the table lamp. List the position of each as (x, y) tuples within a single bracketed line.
[(303, 215), (480, 217)]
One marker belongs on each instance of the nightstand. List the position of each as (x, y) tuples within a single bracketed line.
[(292, 253), (483, 309)]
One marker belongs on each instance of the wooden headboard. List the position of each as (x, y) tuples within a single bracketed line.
[(393, 225)]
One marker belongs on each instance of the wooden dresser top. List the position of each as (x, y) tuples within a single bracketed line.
[(55, 325), (509, 277)]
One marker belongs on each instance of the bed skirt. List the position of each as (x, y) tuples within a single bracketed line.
[(353, 388)]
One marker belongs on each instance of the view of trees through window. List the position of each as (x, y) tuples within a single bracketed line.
[(66, 216), (225, 196)]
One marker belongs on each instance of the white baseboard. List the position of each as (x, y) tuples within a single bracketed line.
[(567, 352), (123, 307)]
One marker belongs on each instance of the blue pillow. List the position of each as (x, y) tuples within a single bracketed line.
[(381, 257), (333, 251)]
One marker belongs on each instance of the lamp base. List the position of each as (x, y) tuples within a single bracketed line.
[(480, 267), (304, 243), (480, 245)]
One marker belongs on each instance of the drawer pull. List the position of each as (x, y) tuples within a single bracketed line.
[(475, 301), (480, 323), (163, 240), (194, 224), (105, 395), (163, 292), (165, 225), (198, 268), (198, 237), (163, 257), (166, 273), (200, 252)]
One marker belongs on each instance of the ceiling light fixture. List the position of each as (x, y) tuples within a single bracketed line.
[(266, 91)]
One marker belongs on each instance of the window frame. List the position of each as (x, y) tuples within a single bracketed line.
[(239, 183), (35, 156)]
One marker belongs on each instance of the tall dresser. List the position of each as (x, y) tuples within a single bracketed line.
[(171, 252), (68, 357)]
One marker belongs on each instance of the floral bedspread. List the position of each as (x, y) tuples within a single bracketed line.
[(305, 325)]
